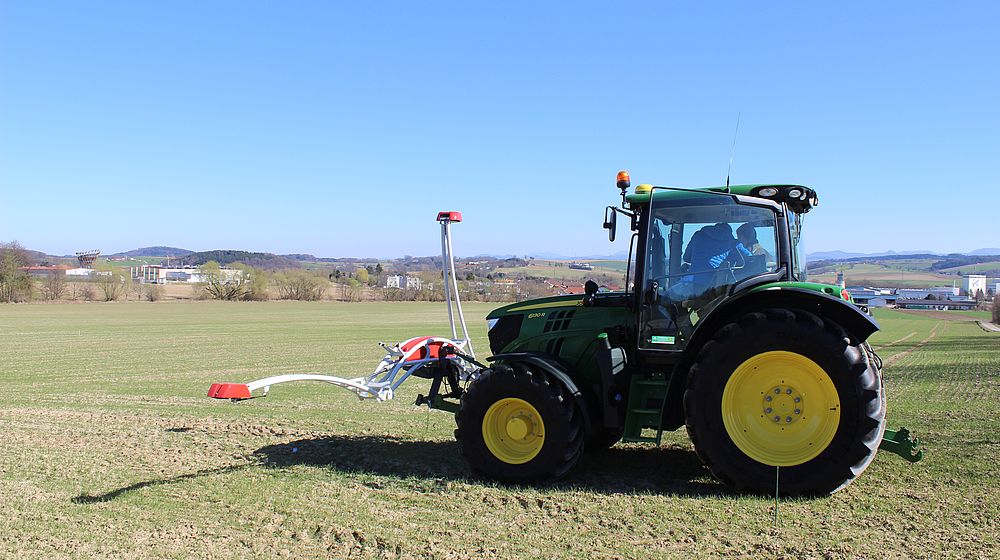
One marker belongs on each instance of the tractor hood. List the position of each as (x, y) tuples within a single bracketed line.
[(570, 300)]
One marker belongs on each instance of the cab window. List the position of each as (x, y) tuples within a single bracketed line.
[(694, 253)]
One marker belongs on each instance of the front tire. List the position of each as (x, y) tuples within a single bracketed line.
[(518, 424), (784, 390)]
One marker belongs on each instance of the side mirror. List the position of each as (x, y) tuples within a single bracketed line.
[(610, 222)]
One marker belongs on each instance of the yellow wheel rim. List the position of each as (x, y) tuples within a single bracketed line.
[(780, 408), (513, 431)]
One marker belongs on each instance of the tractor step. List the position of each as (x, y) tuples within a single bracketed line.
[(645, 407)]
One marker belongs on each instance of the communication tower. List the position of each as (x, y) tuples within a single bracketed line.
[(87, 258)]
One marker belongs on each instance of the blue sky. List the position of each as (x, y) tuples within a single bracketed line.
[(340, 129)]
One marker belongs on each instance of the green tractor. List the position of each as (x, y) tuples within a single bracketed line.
[(718, 331)]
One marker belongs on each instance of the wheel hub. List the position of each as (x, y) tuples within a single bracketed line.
[(518, 427), (783, 405)]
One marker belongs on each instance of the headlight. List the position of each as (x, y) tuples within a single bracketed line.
[(768, 191), (490, 323), (794, 193)]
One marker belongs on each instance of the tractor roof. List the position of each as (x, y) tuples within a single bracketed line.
[(799, 199)]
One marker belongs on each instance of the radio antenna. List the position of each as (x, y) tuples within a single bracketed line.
[(732, 153)]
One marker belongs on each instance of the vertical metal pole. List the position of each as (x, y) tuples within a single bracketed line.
[(444, 275)]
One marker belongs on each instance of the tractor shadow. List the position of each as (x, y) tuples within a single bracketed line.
[(667, 470), (86, 498)]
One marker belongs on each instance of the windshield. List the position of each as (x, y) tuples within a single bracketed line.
[(694, 254)]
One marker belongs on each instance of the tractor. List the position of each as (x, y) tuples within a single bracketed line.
[(717, 330)]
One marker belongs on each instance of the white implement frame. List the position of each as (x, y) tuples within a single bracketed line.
[(402, 359)]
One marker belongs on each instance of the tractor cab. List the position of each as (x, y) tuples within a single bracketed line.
[(697, 248)]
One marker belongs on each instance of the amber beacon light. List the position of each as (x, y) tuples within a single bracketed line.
[(623, 180)]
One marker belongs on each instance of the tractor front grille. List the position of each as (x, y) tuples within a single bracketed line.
[(507, 329)]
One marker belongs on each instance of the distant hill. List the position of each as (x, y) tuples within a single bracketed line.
[(619, 256), (158, 251), (268, 261), (841, 255), (989, 251)]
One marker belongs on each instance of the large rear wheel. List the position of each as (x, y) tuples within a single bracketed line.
[(517, 424), (784, 393)]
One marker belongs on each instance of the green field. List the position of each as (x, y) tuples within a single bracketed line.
[(865, 274), (111, 450), (991, 268)]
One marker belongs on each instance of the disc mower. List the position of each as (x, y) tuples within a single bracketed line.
[(718, 330)]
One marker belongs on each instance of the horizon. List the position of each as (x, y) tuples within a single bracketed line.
[(989, 251), (289, 129)]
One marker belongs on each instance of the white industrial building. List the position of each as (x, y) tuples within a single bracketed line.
[(973, 283), (402, 282), (939, 292), (156, 274)]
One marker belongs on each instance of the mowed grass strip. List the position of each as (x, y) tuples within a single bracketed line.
[(111, 449)]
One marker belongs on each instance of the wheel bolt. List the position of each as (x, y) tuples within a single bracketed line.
[(798, 399), (798, 411), (777, 418), (768, 398), (768, 410), (788, 419), (777, 391), (788, 391)]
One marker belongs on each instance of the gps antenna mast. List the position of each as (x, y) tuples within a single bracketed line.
[(732, 153)]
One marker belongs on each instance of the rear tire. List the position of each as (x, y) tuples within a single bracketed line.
[(518, 424), (786, 389)]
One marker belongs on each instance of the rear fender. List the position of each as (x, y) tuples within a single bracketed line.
[(858, 324), (859, 327), (551, 366)]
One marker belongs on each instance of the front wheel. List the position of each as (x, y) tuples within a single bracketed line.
[(784, 393), (518, 424)]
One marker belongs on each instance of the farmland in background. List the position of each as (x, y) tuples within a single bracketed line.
[(560, 270), (991, 268), (111, 449), (865, 274)]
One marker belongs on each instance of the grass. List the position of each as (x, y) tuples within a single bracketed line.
[(991, 268), (111, 449)]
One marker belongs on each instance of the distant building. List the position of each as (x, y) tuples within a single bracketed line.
[(402, 282), (80, 272), (872, 297), (506, 286), (157, 274), (44, 271), (939, 292), (973, 283), (581, 266), (937, 305)]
